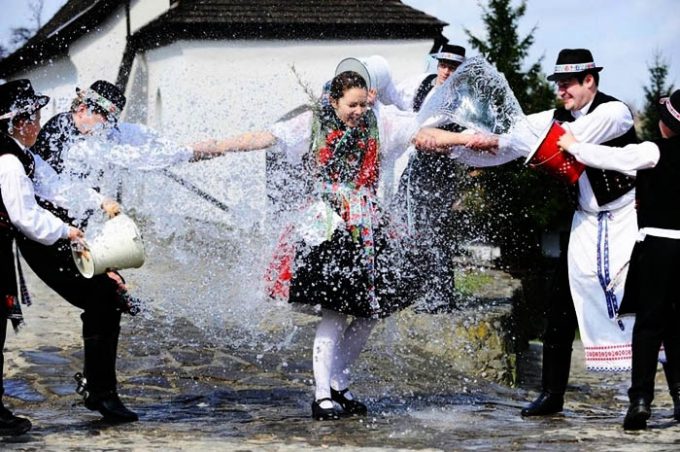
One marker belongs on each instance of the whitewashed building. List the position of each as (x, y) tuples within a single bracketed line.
[(208, 68)]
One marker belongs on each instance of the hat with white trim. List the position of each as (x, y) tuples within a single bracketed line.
[(450, 52), (571, 62), (18, 97), (106, 96)]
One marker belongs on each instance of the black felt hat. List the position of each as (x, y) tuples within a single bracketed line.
[(669, 110), (571, 62), (450, 52), (18, 97)]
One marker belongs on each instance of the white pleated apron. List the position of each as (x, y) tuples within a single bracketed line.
[(600, 245)]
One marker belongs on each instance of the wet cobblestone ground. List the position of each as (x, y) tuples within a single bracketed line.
[(196, 392)]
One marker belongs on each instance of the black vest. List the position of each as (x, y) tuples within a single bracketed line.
[(607, 185), (424, 88), (658, 188)]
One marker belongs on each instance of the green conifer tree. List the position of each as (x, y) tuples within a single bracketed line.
[(649, 117), (519, 204)]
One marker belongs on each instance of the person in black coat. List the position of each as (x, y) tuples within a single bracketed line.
[(20, 214), (650, 287), (429, 189), (103, 297), (92, 110)]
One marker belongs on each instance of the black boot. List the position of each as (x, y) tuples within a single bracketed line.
[(675, 395), (11, 425), (636, 416), (98, 386), (555, 374), (350, 406), (674, 390), (110, 406)]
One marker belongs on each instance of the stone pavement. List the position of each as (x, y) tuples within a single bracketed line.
[(198, 392)]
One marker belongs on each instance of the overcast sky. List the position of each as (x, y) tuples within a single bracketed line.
[(622, 34)]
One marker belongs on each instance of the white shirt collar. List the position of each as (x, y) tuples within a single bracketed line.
[(584, 111)]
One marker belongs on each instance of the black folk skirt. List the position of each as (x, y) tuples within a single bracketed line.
[(336, 275)]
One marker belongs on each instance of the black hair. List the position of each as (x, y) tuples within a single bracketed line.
[(581, 76), (345, 81)]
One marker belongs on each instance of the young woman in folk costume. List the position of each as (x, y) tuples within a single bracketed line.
[(339, 255)]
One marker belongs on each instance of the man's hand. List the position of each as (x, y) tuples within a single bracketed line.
[(372, 96), (426, 139), (118, 279), (77, 238), (75, 234), (110, 207), (566, 141)]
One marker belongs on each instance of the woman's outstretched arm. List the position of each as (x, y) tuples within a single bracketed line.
[(249, 141)]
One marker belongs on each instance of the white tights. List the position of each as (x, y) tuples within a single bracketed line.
[(336, 346)]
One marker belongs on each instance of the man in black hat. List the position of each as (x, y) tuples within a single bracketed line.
[(20, 213), (92, 110), (604, 228), (650, 285), (103, 297), (428, 189)]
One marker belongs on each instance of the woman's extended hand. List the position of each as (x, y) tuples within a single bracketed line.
[(249, 141)]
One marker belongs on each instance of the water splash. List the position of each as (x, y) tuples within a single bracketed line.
[(477, 97)]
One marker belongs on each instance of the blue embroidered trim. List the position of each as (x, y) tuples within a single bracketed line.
[(603, 265)]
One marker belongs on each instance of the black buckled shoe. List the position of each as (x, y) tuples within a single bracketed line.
[(636, 416), (350, 406), (11, 425), (325, 414), (110, 406), (546, 403)]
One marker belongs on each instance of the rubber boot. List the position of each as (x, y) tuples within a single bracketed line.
[(99, 387), (555, 374)]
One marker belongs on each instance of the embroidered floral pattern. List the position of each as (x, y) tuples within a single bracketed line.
[(343, 163)]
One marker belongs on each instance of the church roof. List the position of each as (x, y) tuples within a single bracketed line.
[(231, 19)]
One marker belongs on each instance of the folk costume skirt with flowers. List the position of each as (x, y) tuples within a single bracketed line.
[(322, 261)]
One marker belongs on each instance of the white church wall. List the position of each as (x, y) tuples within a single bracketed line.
[(98, 54)]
